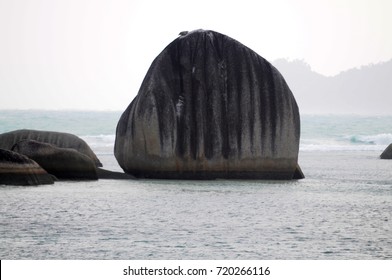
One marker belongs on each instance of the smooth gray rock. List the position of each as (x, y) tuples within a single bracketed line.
[(59, 139), (17, 169), (209, 107), (387, 153), (63, 163)]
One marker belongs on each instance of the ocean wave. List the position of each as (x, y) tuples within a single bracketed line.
[(97, 141), (318, 147), (378, 139), (375, 142)]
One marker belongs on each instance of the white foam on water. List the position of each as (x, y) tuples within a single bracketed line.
[(100, 141)]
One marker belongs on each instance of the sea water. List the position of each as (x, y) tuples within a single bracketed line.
[(341, 210)]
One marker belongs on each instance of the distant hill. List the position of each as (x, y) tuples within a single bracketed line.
[(367, 90)]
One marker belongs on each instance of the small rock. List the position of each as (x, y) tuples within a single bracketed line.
[(59, 139), (17, 169), (63, 163), (387, 154)]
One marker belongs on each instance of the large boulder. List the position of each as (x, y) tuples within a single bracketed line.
[(64, 163), (209, 107), (59, 139), (17, 169)]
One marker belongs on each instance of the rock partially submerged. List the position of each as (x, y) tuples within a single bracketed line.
[(46, 160), (387, 153), (59, 139), (63, 163), (16, 169), (209, 107)]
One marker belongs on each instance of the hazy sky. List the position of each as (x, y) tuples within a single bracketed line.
[(94, 54)]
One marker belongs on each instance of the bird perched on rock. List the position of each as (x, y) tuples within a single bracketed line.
[(183, 33)]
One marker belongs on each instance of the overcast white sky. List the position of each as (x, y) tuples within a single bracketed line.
[(94, 54)]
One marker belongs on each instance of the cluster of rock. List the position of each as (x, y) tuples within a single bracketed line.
[(209, 107), (32, 157)]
